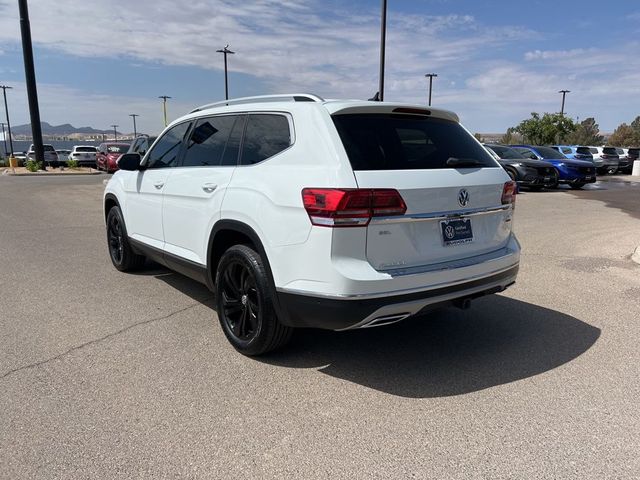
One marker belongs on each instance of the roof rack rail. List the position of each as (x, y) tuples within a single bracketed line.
[(294, 97)]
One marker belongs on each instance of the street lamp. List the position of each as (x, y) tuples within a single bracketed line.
[(430, 75), (164, 107), (135, 132), (115, 133), (225, 51), (564, 93), (383, 37), (6, 110)]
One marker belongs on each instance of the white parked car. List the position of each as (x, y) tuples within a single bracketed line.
[(605, 159), (50, 155), (300, 212), (84, 154)]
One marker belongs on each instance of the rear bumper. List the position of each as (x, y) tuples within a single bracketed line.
[(344, 313)]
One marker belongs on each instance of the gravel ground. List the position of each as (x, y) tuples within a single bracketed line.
[(111, 375)]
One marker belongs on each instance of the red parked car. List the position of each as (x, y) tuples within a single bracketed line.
[(108, 154)]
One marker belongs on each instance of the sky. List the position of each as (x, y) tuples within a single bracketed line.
[(97, 61)]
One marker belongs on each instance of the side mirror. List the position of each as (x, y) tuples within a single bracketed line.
[(129, 161)]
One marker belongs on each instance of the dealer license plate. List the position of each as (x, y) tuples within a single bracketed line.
[(456, 231)]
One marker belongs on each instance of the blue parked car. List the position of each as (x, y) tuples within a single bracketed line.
[(575, 152), (575, 173)]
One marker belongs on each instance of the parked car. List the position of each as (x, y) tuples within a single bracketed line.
[(85, 155), (633, 154), (300, 212), (625, 164), (141, 144), (108, 155), (50, 155), (605, 158), (575, 152), (534, 174), (62, 155), (575, 173)]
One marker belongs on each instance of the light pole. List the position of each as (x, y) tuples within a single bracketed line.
[(225, 51), (6, 110), (164, 107), (383, 37), (430, 75), (115, 133), (135, 132), (564, 93), (4, 139), (30, 77)]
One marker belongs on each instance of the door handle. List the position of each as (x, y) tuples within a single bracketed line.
[(209, 187), (158, 185)]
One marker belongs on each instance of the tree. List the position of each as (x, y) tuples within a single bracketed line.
[(586, 133), (625, 136), (510, 137), (548, 129)]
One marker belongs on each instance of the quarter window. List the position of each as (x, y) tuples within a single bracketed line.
[(208, 140), (265, 136), (165, 151)]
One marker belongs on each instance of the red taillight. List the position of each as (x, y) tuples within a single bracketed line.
[(344, 207), (509, 193)]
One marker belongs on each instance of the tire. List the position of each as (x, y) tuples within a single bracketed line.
[(120, 251), (576, 186), (535, 188), (244, 300)]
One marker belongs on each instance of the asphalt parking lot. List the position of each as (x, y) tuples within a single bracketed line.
[(111, 375)]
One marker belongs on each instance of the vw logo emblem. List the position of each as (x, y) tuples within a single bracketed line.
[(463, 197), (449, 232)]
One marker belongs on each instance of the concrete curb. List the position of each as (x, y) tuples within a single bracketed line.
[(636, 255), (43, 174)]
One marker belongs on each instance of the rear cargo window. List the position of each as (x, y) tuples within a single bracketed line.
[(86, 149), (403, 142), (610, 150), (585, 150)]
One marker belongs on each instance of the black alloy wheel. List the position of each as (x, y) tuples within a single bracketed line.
[(245, 299), (239, 301), (115, 236), (122, 255)]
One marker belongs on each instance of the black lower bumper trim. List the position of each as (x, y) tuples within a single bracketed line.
[(335, 314)]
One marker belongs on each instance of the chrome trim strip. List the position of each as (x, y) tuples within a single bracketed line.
[(421, 217), (366, 296)]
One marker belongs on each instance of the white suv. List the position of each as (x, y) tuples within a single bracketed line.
[(301, 212)]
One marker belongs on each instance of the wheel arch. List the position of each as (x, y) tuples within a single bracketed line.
[(110, 201)]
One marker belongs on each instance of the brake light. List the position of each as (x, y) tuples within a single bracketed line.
[(345, 207), (509, 193)]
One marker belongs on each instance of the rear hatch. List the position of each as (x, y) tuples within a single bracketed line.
[(413, 154)]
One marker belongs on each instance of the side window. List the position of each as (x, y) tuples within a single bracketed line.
[(165, 151), (265, 136), (208, 140)]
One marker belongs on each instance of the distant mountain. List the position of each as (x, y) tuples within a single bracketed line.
[(48, 129)]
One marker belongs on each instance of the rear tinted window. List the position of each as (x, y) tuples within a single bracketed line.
[(548, 152), (208, 140), (593, 150), (609, 151), (585, 150), (117, 148), (266, 135), (86, 149), (49, 148), (506, 152), (401, 142)]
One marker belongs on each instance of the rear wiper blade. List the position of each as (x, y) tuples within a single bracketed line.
[(463, 162)]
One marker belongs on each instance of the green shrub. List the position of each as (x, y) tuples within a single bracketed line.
[(3, 162), (33, 166), (72, 163)]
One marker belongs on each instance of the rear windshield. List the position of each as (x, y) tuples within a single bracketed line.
[(585, 150), (619, 151), (86, 149), (548, 152), (404, 142), (507, 153), (610, 150), (593, 150), (117, 148)]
